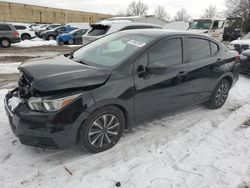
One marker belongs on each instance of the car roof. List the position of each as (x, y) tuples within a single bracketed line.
[(158, 33), (125, 23), (3, 23)]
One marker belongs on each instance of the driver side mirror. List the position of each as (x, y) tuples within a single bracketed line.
[(156, 68)]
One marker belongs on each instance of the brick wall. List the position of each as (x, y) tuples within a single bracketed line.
[(15, 12)]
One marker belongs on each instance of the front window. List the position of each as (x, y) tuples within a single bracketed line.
[(201, 24), (111, 50)]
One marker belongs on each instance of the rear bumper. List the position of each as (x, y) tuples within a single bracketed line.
[(15, 40), (43, 129)]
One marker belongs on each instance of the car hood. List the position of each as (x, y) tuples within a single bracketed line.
[(241, 42), (58, 73)]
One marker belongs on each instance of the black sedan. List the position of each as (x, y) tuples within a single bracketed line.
[(90, 96), (245, 62)]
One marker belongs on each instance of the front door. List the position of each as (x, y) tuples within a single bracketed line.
[(161, 93), (217, 31)]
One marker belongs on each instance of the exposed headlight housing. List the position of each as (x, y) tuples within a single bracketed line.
[(231, 46), (53, 105)]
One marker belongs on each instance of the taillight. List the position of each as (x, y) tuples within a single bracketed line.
[(237, 59), (16, 34)]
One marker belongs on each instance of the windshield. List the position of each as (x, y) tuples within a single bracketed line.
[(111, 50), (234, 23), (247, 36), (201, 24), (72, 32)]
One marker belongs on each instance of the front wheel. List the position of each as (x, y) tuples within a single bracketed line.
[(71, 42), (102, 129), (220, 95)]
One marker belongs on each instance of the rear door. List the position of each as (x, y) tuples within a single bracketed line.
[(78, 36), (206, 66), (162, 93)]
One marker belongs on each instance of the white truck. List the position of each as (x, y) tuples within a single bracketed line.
[(212, 27)]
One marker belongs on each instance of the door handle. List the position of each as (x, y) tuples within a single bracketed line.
[(218, 60), (182, 74)]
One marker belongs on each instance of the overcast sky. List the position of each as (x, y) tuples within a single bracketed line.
[(195, 7)]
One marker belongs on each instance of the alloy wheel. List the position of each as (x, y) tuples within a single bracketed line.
[(104, 131), (5, 43), (222, 94)]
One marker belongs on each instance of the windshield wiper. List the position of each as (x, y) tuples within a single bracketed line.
[(79, 61)]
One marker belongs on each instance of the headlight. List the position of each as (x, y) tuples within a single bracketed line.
[(243, 57), (53, 105)]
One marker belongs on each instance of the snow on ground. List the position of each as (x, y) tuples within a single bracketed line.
[(35, 42), (197, 147), (9, 68)]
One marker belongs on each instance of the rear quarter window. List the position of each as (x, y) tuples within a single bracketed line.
[(4, 27), (199, 48), (19, 27), (214, 48)]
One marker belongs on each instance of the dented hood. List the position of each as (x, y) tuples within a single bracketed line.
[(58, 73)]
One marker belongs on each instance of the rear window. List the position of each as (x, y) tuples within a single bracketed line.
[(4, 27), (98, 30), (140, 27), (199, 48), (19, 27)]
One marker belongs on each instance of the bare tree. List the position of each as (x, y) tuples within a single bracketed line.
[(239, 8), (182, 15), (137, 8), (210, 12), (161, 13), (122, 13)]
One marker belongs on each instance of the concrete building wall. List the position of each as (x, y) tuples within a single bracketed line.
[(15, 12)]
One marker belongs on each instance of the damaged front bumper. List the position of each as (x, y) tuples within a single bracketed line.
[(47, 130)]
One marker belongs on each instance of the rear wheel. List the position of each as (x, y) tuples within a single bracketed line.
[(5, 43), (220, 95), (51, 37), (25, 37), (102, 130)]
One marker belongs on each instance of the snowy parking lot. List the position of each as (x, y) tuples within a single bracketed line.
[(196, 147)]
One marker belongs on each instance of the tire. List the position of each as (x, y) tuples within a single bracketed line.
[(51, 37), (71, 42), (97, 136), (25, 37), (220, 95), (5, 43)]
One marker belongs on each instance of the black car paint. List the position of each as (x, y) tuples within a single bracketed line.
[(245, 62), (138, 97)]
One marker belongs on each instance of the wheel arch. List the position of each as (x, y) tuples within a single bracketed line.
[(229, 77), (25, 34)]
